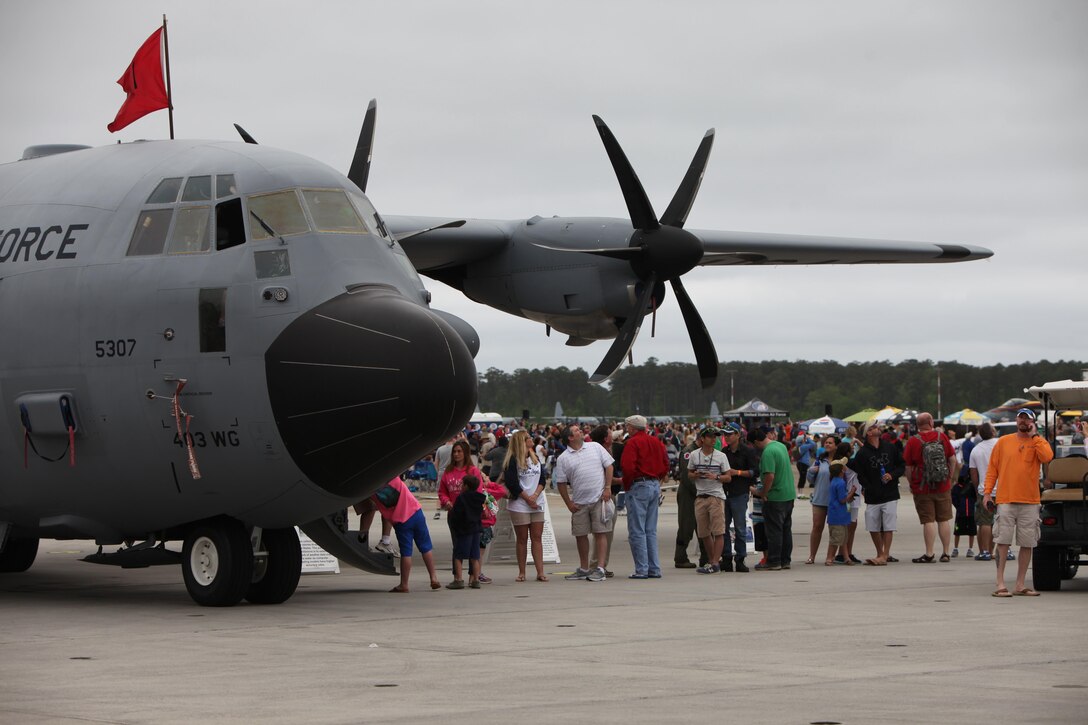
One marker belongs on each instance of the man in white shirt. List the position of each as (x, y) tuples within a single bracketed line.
[(583, 474), (708, 469)]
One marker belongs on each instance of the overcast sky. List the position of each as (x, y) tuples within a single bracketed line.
[(957, 122)]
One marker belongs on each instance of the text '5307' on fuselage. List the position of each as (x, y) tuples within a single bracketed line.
[(203, 341)]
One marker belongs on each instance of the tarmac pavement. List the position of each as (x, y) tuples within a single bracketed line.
[(904, 643)]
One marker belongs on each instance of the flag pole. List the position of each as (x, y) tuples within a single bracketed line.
[(169, 93)]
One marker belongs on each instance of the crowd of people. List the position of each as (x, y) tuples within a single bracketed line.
[(720, 473)]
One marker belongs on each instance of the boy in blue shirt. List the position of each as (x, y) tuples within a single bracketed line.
[(838, 514)]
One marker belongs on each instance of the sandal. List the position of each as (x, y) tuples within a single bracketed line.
[(945, 559), (892, 560), (809, 561), (520, 578), (1027, 592), (1001, 593), (925, 559), (397, 590), (542, 578), (829, 563)]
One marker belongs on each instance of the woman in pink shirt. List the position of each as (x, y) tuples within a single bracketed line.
[(449, 485)]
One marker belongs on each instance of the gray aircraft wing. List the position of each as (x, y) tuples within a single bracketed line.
[(724, 248)]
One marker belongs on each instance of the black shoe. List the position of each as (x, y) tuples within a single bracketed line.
[(741, 568), (855, 559), (684, 565), (726, 565), (839, 559)]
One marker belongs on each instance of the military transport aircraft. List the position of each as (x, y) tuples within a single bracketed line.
[(212, 342)]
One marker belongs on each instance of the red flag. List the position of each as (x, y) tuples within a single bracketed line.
[(143, 84)]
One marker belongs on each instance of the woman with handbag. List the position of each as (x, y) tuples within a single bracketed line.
[(526, 508)]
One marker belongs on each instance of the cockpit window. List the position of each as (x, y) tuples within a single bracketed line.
[(225, 186), (332, 212), (197, 188), (166, 192), (150, 232), (280, 211), (190, 231), (370, 215)]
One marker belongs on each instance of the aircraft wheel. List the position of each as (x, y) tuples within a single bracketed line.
[(18, 555), (217, 562), (275, 576)]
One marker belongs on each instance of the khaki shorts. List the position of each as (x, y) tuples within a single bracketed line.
[(1017, 522), (983, 516), (933, 507), (836, 535), (709, 516), (520, 518), (587, 520)]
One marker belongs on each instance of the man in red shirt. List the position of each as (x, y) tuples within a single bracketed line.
[(932, 498), (644, 463)]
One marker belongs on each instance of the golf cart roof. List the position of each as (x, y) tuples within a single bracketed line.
[(1062, 393)]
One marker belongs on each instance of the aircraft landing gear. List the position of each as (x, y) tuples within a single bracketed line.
[(277, 570), (18, 554), (217, 562)]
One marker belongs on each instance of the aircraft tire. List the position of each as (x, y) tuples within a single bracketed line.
[(282, 569), (18, 555), (217, 562)]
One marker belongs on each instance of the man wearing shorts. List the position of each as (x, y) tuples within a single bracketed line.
[(878, 466), (708, 469), (1015, 464), (932, 499), (978, 462), (583, 474)]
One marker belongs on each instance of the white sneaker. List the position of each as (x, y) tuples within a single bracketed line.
[(956, 552), (578, 573), (385, 548), (597, 575), (970, 554)]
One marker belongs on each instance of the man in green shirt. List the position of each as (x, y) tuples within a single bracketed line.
[(779, 493)]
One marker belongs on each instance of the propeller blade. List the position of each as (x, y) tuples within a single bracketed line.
[(624, 253), (360, 164), (677, 213), (621, 346), (245, 134), (638, 204), (706, 358)]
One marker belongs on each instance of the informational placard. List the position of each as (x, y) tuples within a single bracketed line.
[(316, 560), (503, 548)]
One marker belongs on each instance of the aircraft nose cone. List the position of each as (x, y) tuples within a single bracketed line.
[(365, 384)]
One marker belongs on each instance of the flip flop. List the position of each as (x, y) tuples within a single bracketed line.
[(435, 585), (520, 578), (398, 590), (1029, 592), (829, 563), (871, 562), (893, 560), (1001, 593), (542, 578)]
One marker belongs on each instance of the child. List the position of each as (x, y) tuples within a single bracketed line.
[(497, 492), (963, 499), (838, 513), (464, 519)]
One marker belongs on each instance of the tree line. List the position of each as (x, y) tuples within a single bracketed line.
[(802, 387)]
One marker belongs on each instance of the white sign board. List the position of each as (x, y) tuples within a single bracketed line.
[(503, 548), (316, 560)]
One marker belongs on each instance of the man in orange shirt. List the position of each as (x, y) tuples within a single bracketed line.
[(1015, 464)]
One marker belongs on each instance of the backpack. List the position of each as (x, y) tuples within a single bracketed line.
[(934, 464)]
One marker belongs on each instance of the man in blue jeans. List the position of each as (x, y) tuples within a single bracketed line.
[(644, 463), (745, 468)]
